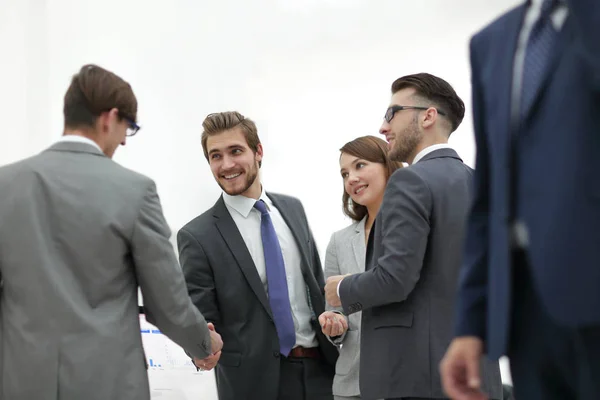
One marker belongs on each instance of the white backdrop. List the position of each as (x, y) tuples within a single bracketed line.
[(313, 74)]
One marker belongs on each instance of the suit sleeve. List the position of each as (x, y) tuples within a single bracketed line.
[(473, 281), (198, 276), (332, 268), (404, 217), (160, 278), (586, 15)]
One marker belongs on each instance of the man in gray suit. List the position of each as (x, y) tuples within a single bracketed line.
[(407, 294), (79, 233)]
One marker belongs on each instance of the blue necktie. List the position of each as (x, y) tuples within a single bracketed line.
[(542, 41), (277, 282)]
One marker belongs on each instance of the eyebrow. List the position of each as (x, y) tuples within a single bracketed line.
[(233, 146)]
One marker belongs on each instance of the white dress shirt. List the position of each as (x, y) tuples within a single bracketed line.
[(247, 219), (428, 150), (78, 139)]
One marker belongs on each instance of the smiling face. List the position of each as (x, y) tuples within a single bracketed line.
[(233, 164), (364, 180)]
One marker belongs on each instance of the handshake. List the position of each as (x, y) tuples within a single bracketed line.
[(333, 324), (216, 343)]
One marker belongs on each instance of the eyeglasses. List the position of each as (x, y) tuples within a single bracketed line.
[(391, 111), (133, 127)]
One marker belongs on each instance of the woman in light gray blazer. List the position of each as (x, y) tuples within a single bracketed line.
[(365, 168)]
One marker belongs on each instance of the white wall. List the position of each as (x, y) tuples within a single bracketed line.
[(313, 74)]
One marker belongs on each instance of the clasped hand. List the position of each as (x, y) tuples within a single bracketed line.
[(208, 363), (333, 324)]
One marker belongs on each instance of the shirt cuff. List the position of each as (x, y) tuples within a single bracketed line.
[(338, 289)]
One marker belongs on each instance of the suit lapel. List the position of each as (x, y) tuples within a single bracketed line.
[(502, 67), (358, 244), (293, 222), (233, 239), (370, 250)]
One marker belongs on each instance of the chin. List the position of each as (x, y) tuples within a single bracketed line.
[(232, 190), (360, 202)]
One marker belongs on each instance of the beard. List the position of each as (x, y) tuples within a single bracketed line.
[(406, 143), (251, 176)]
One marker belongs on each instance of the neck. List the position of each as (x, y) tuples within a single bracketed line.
[(437, 139), (254, 190), (78, 132)]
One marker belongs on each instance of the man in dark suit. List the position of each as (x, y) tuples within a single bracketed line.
[(252, 268), (407, 294), (530, 284)]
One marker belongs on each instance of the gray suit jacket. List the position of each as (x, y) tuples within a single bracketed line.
[(346, 255), (78, 234), (408, 292)]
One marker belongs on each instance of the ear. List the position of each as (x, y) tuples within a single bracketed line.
[(429, 117), (113, 115), (259, 152), (107, 118)]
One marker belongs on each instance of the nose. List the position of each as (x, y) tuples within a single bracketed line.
[(352, 178), (385, 127), (227, 163)]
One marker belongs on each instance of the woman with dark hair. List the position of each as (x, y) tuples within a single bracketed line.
[(365, 169)]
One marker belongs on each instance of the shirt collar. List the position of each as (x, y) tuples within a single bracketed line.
[(428, 150), (559, 14), (538, 3), (79, 139), (244, 205)]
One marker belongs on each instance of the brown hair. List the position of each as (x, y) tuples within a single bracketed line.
[(373, 149), (93, 91), (437, 91), (217, 123)]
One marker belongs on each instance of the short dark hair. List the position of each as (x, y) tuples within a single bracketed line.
[(94, 90), (216, 123), (436, 91), (373, 149)]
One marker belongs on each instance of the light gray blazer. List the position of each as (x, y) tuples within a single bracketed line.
[(78, 234), (346, 255)]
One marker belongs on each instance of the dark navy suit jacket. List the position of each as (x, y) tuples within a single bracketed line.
[(556, 187)]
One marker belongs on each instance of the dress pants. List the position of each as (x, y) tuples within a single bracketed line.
[(413, 398), (549, 361), (305, 379)]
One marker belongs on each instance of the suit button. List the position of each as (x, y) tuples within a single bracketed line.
[(276, 354)]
